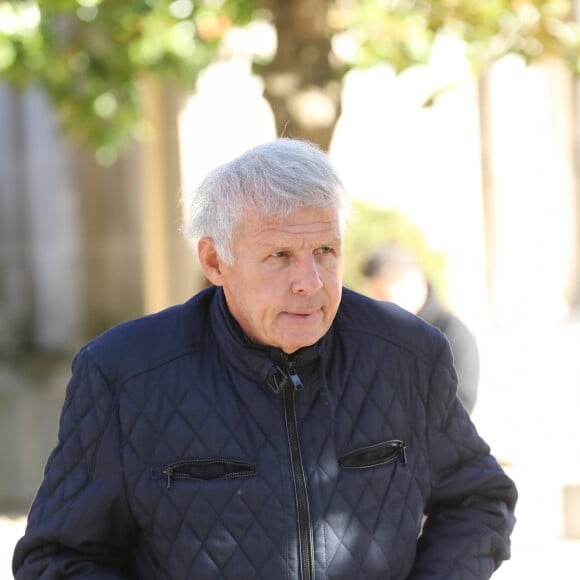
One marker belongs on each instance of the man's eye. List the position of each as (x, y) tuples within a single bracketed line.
[(324, 250), (280, 254)]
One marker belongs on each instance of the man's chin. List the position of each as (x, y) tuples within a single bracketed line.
[(292, 346)]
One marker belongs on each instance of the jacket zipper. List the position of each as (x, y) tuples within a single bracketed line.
[(289, 386)]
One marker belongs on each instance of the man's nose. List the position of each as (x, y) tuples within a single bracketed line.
[(306, 278)]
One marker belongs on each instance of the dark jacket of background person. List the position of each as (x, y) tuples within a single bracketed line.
[(463, 345), (395, 275), (198, 454)]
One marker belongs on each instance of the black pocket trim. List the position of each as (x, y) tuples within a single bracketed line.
[(374, 455), (207, 469)]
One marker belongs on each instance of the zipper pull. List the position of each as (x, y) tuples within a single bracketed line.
[(403, 453), (290, 364), (169, 473), (296, 380)]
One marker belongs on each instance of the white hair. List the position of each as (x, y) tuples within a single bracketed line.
[(272, 179)]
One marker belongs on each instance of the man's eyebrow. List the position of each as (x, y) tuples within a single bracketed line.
[(334, 241)]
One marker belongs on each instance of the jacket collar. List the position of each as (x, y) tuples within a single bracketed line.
[(255, 361)]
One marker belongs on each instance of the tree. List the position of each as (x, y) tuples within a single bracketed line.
[(91, 55)]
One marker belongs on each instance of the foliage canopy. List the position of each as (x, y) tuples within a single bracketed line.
[(91, 55)]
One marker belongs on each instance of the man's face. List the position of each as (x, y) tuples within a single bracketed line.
[(285, 285)]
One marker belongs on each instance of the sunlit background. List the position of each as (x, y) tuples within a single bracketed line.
[(484, 165)]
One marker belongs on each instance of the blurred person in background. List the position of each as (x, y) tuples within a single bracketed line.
[(276, 425), (393, 274)]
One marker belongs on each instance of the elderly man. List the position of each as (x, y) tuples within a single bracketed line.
[(274, 426)]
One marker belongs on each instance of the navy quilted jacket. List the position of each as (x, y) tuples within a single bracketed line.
[(187, 452)]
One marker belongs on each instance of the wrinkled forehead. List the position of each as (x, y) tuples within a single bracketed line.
[(321, 224), (289, 214)]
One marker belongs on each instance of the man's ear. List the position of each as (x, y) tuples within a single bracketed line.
[(209, 261)]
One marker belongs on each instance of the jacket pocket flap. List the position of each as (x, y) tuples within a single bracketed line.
[(373, 455)]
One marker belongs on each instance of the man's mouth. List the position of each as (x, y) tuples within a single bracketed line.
[(304, 314)]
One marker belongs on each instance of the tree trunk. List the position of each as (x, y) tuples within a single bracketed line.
[(301, 86)]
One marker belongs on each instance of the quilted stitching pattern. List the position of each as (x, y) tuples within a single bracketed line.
[(202, 402), (223, 525), (88, 407)]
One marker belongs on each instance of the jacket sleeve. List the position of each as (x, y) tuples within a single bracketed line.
[(470, 514), (79, 523)]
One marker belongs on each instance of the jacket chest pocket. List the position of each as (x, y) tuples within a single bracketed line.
[(375, 455), (205, 470), (217, 507), (374, 493)]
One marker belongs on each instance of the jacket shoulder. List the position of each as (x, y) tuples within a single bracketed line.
[(150, 341), (359, 314)]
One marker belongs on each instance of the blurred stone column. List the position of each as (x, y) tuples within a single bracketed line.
[(529, 190), (169, 274), (110, 205), (16, 317), (54, 227), (41, 284), (41, 290), (576, 152)]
